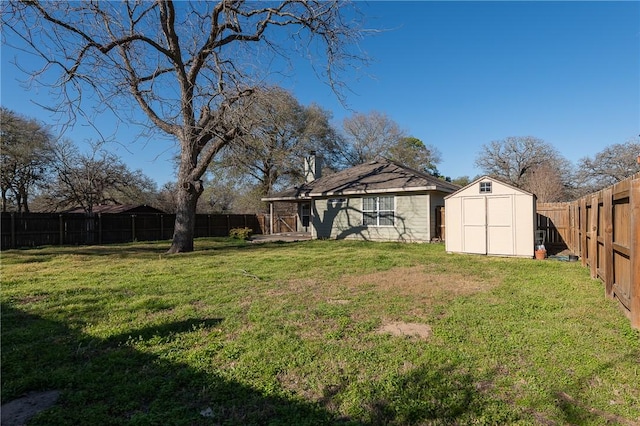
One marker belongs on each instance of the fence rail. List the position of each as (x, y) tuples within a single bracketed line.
[(604, 230), (20, 230)]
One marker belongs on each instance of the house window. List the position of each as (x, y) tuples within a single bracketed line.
[(485, 187), (378, 211), (337, 202)]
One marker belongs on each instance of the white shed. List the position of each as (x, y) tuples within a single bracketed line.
[(490, 217)]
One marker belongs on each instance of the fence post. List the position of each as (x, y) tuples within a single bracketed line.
[(61, 228), (634, 200), (99, 228), (271, 218), (133, 228), (13, 230), (162, 227), (607, 234), (583, 230)]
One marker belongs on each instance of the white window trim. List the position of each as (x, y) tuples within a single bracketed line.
[(377, 211), (484, 186)]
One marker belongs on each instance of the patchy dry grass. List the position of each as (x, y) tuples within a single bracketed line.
[(236, 333)]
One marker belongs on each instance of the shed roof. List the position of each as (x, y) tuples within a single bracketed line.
[(491, 178), (374, 177)]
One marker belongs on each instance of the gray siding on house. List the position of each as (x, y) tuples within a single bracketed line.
[(344, 220)]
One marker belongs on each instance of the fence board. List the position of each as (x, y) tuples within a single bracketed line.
[(634, 308), (607, 245)]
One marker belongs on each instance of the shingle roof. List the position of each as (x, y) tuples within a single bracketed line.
[(377, 176), (119, 208)]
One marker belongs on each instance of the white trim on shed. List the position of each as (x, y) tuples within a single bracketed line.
[(490, 217)]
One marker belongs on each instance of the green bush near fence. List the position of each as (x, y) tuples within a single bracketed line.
[(305, 333), (240, 233)]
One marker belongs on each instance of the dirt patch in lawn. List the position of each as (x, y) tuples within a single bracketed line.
[(422, 331), (419, 281)]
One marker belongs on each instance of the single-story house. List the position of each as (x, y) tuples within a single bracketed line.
[(490, 217), (380, 200)]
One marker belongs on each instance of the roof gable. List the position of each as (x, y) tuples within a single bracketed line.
[(472, 187)]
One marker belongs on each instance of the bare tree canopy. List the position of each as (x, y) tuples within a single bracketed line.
[(92, 179), (609, 166), (520, 160), (185, 65), (26, 152), (367, 136)]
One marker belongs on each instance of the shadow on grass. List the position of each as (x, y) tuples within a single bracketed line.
[(111, 382), (575, 411), (139, 249), (164, 330)]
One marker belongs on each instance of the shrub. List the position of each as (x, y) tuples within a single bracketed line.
[(240, 233)]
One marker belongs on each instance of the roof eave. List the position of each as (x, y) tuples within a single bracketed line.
[(301, 198), (377, 191)]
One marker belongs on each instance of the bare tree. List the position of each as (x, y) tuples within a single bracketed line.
[(514, 160), (609, 166), (89, 180), (367, 136), (546, 183), (185, 65), (165, 199), (26, 152)]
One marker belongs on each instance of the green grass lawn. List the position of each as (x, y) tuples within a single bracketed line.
[(288, 333)]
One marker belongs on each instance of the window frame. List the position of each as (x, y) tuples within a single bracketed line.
[(378, 213), (486, 187)]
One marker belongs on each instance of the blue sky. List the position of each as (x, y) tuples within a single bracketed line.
[(456, 75)]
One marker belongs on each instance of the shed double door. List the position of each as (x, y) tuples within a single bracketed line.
[(487, 225)]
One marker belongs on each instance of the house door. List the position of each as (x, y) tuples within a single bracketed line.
[(305, 216), (474, 225)]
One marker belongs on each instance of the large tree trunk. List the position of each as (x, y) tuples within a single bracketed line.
[(25, 200), (189, 188), (184, 230)]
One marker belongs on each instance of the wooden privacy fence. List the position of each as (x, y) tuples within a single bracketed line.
[(20, 230), (604, 230)]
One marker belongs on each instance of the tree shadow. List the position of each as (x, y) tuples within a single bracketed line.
[(576, 411), (153, 250), (111, 382), (339, 217)]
